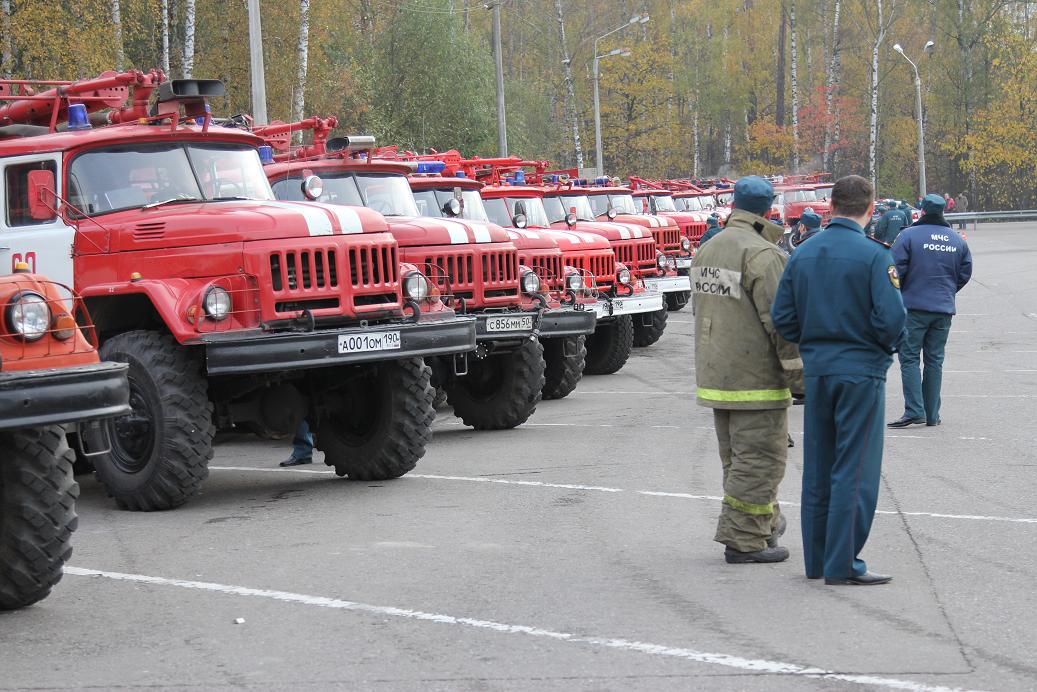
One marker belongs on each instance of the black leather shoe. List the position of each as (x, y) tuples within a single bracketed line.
[(772, 541), (292, 461), (866, 579), (904, 421), (775, 554)]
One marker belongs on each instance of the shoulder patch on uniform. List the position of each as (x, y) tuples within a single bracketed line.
[(883, 243), (894, 278)]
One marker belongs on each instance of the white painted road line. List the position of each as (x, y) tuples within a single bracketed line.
[(605, 489), (726, 660)]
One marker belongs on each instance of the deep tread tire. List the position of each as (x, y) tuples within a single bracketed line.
[(386, 438), (646, 335), (608, 348), (171, 471), (677, 300), (562, 373), (501, 391), (37, 513)]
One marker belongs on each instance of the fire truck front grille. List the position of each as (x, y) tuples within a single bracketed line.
[(668, 239), (601, 267), (475, 275), (547, 267), (308, 269), (694, 230), (636, 254)]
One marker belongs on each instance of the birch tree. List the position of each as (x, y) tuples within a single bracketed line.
[(7, 52), (165, 36), (794, 84), (188, 64), (883, 20), (570, 100), (302, 51), (831, 80), (120, 55)]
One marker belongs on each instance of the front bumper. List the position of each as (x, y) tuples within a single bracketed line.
[(231, 354), (554, 323), (31, 398), (632, 305), (668, 284)]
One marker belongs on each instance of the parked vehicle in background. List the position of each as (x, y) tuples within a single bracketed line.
[(51, 382), (230, 308)]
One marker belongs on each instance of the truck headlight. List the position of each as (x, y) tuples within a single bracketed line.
[(662, 261), (217, 303), (415, 286), (686, 244), (28, 316), (530, 283), (574, 281), (623, 276)]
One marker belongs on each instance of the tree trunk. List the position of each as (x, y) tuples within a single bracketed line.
[(779, 77), (794, 85), (302, 53), (873, 134), (831, 80), (367, 20), (467, 9), (7, 52), (727, 142), (570, 100), (120, 55), (188, 66), (165, 36), (696, 146)]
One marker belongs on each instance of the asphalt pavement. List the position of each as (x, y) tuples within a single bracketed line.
[(576, 552)]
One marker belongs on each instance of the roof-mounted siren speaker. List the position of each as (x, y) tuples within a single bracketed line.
[(191, 93), (350, 143)]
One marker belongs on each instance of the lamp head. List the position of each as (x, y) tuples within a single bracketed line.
[(897, 48), (634, 19), (644, 19), (929, 45)]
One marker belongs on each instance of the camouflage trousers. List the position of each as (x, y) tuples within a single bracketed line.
[(753, 449)]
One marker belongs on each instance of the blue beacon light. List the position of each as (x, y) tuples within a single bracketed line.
[(266, 154), (77, 117), (431, 166)]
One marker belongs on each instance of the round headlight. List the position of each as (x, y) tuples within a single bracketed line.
[(686, 244), (570, 219), (519, 221), (611, 213), (574, 281), (28, 316), (623, 276), (661, 261), (312, 187), (217, 303), (530, 282), (415, 286), (452, 207)]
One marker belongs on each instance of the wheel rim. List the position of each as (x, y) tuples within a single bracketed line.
[(133, 435)]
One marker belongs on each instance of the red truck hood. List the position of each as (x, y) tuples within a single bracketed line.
[(577, 240), (211, 223), (793, 210), (610, 230), (412, 231), (531, 239), (647, 220)]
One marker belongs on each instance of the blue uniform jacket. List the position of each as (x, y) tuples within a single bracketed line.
[(934, 263), (839, 300)]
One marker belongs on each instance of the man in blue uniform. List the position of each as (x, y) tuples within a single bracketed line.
[(809, 226), (712, 228), (888, 227), (839, 299), (934, 263)]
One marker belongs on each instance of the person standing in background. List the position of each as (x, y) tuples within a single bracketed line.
[(961, 205)]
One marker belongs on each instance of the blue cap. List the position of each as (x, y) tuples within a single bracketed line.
[(713, 220), (754, 195), (810, 219), (933, 204)]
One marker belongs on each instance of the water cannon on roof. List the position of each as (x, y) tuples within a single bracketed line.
[(278, 135)]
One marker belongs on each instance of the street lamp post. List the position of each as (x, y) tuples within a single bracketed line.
[(918, 105), (598, 158)]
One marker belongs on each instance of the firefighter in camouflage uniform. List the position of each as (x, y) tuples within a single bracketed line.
[(745, 371)]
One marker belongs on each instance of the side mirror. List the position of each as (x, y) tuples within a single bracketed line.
[(518, 221), (312, 187), (611, 213), (570, 219), (452, 207), (41, 195)]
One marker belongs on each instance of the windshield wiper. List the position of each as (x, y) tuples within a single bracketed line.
[(229, 199), (179, 198)]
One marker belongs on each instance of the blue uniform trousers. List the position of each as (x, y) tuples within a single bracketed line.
[(302, 443), (842, 458), (927, 333)]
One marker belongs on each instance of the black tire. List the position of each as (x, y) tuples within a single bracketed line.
[(37, 513), (561, 372), (160, 451), (648, 334), (677, 300), (608, 348), (501, 391), (376, 427)]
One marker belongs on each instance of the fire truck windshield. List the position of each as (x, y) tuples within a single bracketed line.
[(599, 204), (558, 207), (387, 193), (623, 204), (431, 203), (691, 203), (664, 203), (725, 197), (111, 179), (532, 207)]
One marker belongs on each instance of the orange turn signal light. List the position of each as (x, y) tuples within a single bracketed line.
[(64, 326)]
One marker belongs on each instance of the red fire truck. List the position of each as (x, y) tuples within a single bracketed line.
[(474, 265), (51, 381), (231, 308)]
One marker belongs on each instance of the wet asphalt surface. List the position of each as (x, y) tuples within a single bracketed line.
[(575, 552)]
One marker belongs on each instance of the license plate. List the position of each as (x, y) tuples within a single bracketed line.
[(652, 285), (375, 341), (509, 323)]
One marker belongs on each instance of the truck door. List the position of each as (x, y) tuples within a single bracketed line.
[(44, 244)]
